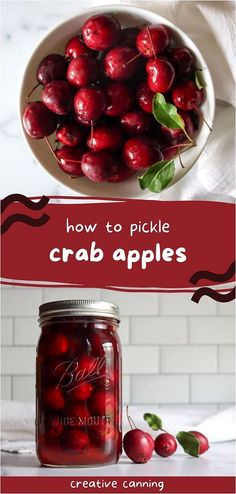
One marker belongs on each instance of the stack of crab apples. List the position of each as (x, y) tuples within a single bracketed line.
[(78, 404), (97, 99)]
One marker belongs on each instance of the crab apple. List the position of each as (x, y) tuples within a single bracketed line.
[(77, 413), (102, 433), (69, 134), (55, 344), (102, 403), (75, 47), (38, 120), (54, 428), (204, 444), (105, 136), (69, 160), (138, 445), (82, 392), (121, 173), (145, 97), (161, 75), (52, 68), (175, 136), (187, 96), (53, 398), (101, 32), (152, 40), (58, 97), (121, 63), (76, 441), (98, 166), (135, 123), (141, 152), (120, 98), (128, 36), (83, 70), (183, 60), (90, 103), (165, 444), (54, 368)]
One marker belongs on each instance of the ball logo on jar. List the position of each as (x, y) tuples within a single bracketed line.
[(77, 372)]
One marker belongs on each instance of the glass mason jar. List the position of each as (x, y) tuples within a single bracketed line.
[(78, 384)]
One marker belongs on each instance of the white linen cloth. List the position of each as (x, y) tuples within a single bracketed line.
[(211, 25), (17, 428)]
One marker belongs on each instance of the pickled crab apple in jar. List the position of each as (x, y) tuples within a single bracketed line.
[(119, 101), (78, 384)]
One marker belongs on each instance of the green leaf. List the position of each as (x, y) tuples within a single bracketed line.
[(153, 421), (166, 113), (189, 443), (199, 79), (158, 176)]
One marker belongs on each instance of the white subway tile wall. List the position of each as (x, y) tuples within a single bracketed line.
[(174, 351)]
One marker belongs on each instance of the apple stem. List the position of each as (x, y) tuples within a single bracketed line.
[(181, 162), (51, 149), (150, 38), (207, 124), (32, 90), (132, 59), (130, 420), (91, 131)]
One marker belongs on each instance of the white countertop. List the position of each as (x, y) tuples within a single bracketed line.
[(218, 461)]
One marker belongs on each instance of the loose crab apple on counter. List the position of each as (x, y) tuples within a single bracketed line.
[(117, 102), (139, 445)]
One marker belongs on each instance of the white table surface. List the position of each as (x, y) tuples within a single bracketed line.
[(218, 461), (24, 23)]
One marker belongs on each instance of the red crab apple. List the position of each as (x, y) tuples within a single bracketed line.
[(187, 96), (161, 75), (52, 68), (83, 70), (141, 152), (56, 344), (75, 47), (102, 403), (183, 60), (69, 134), (98, 166), (38, 120), (69, 160), (138, 444), (144, 97), (152, 40), (106, 136), (81, 392), (90, 103), (58, 97), (165, 444), (135, 123), (76, 441), (121, 63), (101, 31), (53, 398), (204, 444), (102, 433), (120, 98)]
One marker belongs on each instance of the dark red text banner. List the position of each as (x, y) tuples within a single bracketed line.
[(139, 485), (119, 243)]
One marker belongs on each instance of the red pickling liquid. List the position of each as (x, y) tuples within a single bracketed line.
[(78, 391)]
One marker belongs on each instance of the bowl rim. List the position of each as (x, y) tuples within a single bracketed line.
[(103, 9)]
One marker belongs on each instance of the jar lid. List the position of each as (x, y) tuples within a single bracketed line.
[(78, 308)]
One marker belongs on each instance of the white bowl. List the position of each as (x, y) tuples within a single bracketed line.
[(55, 41)]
